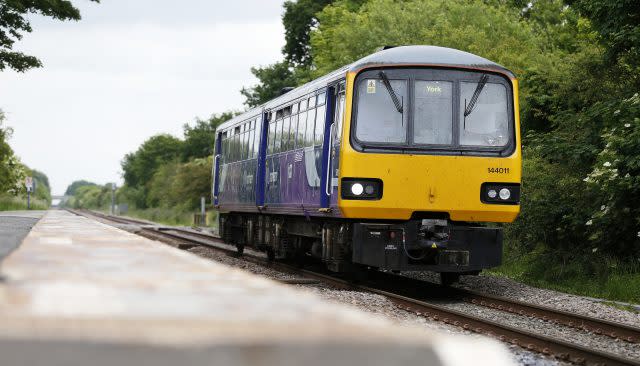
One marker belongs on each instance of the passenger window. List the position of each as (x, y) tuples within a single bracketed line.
[(320, 118), (250, 144), (302, 127), (236, 147), (294, 129), (312, 102), (309, 136), (256, 141), (322, 98), (278, 145), (243, 145), (303, 105), (271, 138), (294, 108), (286, 127)]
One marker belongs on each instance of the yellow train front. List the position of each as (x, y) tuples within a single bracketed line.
[(422, 155)]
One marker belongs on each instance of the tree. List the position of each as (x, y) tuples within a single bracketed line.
[(618, 24), (497, 33), (140, 166), (273, 79), (298, 19), (199, 139), (14, 22), (73, 187), (11, 170)]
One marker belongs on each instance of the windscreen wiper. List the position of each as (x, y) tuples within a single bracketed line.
[(392, 93), (468, 108)]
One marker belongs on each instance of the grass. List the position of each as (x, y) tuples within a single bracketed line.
[(12, 203), (604, 278), (171, 217)]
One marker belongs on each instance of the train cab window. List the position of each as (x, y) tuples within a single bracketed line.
[(286, 127), (310, 134), (484, 120), (381, 114), (433, 113), (319, 130)]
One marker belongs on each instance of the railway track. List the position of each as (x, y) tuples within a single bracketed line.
[(405, 293)]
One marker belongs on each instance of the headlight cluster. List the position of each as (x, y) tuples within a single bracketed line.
[(361, 189), (500, 193)]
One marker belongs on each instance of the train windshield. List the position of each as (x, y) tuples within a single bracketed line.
[(430, 109)]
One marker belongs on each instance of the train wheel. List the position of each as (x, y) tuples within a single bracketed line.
[(239, 249), (449, 278), (271, 254)]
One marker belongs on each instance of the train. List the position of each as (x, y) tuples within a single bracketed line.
[(408, 159)]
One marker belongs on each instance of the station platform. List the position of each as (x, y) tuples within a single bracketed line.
[(79, 292)]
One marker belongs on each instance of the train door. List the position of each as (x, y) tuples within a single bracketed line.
[(333, 140), (217, 154)]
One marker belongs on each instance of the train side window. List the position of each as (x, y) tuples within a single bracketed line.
[(250, 144), (294, 131), (302, 128), (225, 151), (243, 144), (294, 108), (286, 127), (312, 102), (303, 105), (322, 97), (309, 136), (278, 144), (236, 147), (256, 142), (271, 137), (320, 118)]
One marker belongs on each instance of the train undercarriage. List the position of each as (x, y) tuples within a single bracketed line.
[(439, 245)]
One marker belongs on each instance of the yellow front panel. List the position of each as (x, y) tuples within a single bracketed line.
[(428, 182)]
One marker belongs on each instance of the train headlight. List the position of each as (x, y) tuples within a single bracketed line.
[(361, 189), (500, 193), (357, 189)]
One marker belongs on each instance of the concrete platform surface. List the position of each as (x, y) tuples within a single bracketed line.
[(80, 292)]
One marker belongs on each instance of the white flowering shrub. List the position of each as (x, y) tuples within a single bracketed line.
[(614, 223)]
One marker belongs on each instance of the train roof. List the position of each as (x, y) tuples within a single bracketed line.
[(396, 56)]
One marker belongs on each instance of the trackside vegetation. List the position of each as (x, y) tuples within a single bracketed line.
[(578, 64), (13, 195), (164, 178)]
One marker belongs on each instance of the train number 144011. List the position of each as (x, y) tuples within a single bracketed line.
[(498, 170)]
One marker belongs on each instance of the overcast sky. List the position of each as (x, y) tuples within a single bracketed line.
[(129, 70)]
